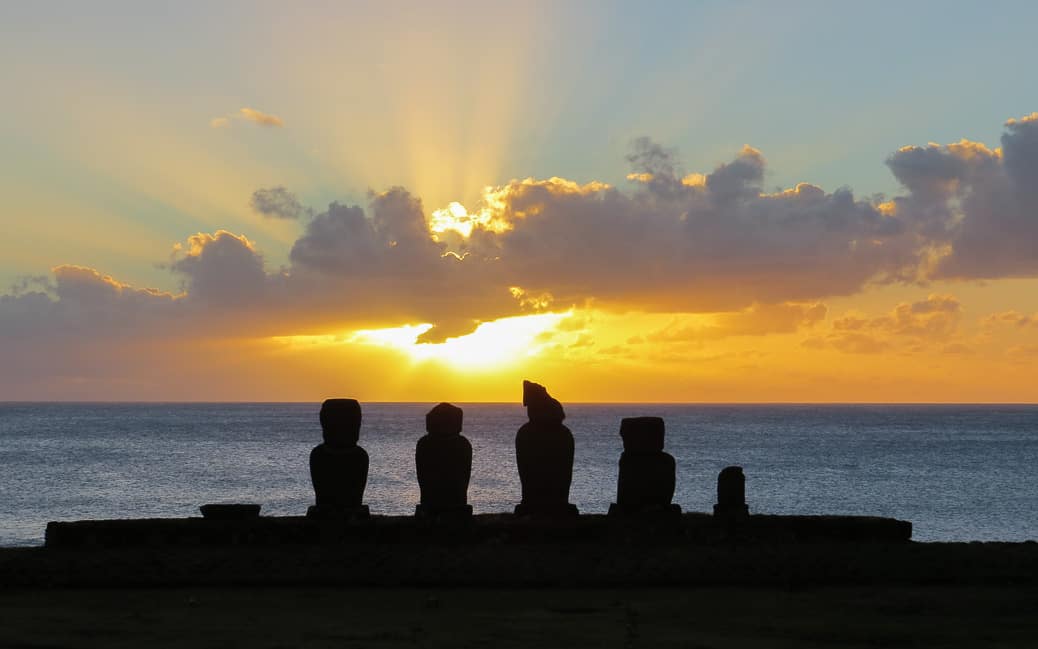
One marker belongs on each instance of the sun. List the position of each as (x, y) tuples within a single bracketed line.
[(456, 218), (453, 217)]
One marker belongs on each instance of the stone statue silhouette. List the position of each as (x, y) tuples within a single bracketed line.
[(731, 493), (338, 466), (647, 473), (443, 462), (544, 454)]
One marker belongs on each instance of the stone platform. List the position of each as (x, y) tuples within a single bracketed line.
[(482, 529), (502, 550)]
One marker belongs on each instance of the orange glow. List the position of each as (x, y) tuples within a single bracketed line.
[(891, 344), (492, 346)]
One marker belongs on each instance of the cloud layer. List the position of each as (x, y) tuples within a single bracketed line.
[(673, 242)]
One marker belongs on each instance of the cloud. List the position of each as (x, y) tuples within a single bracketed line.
[(77, 302), (977, 208), (1010, 318), (757, 320), (388, 266), (221, 269), (250, 115), (655, 166), (225, 289), (674, 242), (935, 317), (849, 342), (277, 202), (1023, 353), (671, 246), (261, 118), (394, 242), (959, 349), (910, 326)]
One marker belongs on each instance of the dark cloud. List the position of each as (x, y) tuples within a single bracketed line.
[(28, 283), (277, 202), (221, 269), (740, 178), (79, 301), (384, 264), (655, 165), (340, 240), (720, 245), (976, 208), (394, 241)]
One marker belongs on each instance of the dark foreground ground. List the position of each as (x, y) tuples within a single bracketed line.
[(267, 617), (503, 582)]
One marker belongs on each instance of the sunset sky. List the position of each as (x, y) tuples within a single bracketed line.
[(674, 202)]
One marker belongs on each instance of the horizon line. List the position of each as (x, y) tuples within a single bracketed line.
[(519, 402)]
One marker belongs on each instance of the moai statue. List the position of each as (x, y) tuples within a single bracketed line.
[(731, 493), (443, 460), (544, 454), (338, 467), (646, 481)]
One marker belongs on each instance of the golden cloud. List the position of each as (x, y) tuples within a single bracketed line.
[(910, 325), (249, 115), (261, 118)]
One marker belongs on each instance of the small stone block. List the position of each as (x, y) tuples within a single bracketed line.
[(731, 493), (235, 512)]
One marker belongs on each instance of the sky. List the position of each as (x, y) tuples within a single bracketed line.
[(637, 202)]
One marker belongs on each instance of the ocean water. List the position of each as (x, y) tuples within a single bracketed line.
[(957, 472)]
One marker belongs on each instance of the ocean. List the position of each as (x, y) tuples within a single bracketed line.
[(958, 472)]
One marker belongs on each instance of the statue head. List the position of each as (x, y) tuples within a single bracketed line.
[(444, 419), (642, 434), (540, 406), (340, 422)]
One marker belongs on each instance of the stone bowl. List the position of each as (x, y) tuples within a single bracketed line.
[(235, 512)]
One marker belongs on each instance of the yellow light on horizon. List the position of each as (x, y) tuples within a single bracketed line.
[(493, 344), (400, 337)]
